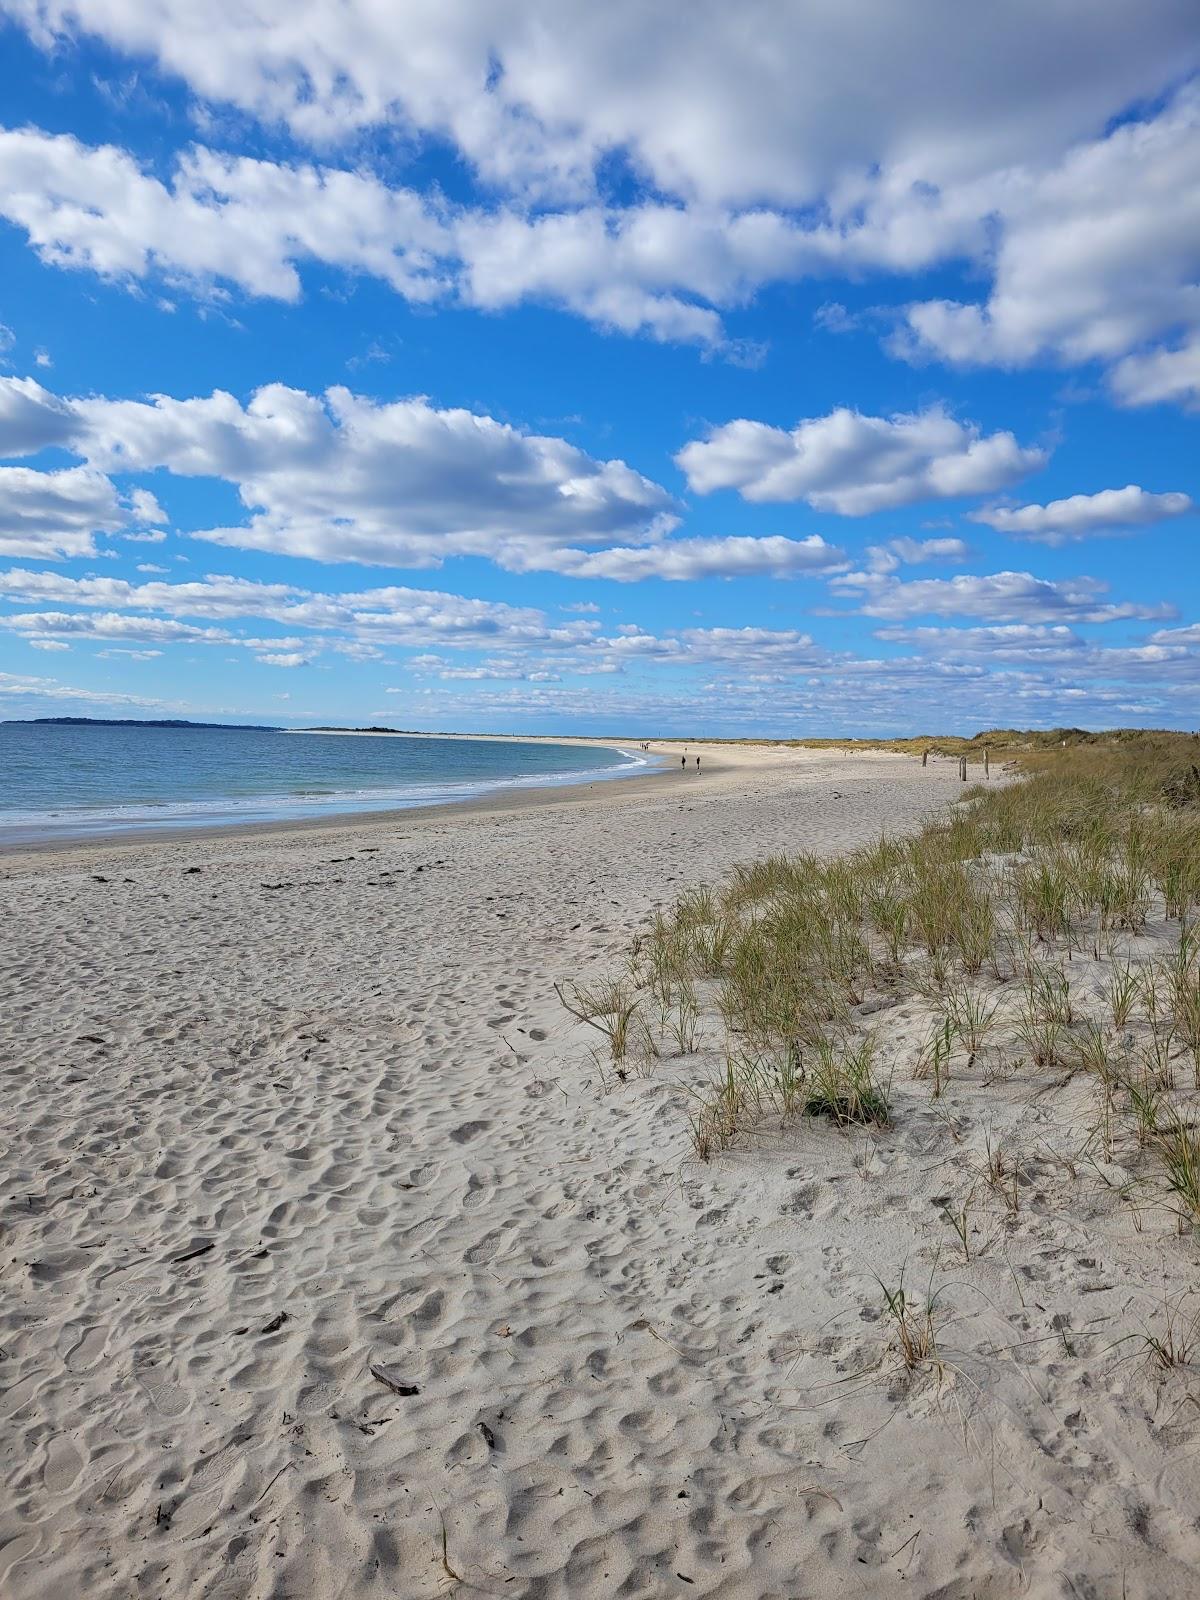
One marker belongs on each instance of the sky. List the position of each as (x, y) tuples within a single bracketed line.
[(641, 369)]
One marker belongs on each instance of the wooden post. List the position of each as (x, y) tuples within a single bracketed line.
[(924, 758), (962, 769), (986, 771)]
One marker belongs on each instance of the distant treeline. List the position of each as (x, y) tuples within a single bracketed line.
[(136, 722)]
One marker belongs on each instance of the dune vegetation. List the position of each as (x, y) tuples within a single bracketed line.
[(1047, 927)]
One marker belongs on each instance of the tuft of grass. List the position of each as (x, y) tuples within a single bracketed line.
[(610, 1007), (933, 1058), (1145, 1099), (1178, 1145), (972, 1018), (842, 1084), (1123, 990), (914, 1324), (1177, 1343), (1094, 1048), (961, 1223), (1043, 896)]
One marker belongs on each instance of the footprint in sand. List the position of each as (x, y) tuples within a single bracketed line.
[(164, 1394), (63, 1465), (87, 1350), (13, 1553), (486, 1250), (468, 1131)]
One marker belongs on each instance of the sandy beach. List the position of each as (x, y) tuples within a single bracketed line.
[(334, 1263)]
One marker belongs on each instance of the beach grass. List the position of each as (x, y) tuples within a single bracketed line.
[(978, 917)]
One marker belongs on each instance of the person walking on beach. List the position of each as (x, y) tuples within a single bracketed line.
[(683, 763), (697, 763)]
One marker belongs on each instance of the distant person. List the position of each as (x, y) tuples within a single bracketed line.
[(697, 763), (683, 763)]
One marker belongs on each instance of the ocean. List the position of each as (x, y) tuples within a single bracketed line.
[(59, 781)]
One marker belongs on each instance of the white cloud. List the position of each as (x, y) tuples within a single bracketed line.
[(17, 688), (494, 669), (1159, 376), (684, 560), (220, 220), (50, 516), (342, 478), (536, 94), (1079, 515), (364, 618), (1093, 257), (1012, 641), (998, 595), (1083, 218), (287, 658), (48, 644), (31, 418), (338, 477), (112, 625), (145, 507), (914, 552), (854, 464)]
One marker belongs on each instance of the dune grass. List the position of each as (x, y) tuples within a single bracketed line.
[(980, 914)]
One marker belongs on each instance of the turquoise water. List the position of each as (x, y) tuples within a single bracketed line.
[(78, 781)]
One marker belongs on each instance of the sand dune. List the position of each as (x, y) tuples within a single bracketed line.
[(330, 1267)]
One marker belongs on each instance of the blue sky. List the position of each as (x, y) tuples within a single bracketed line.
[(554, 368)]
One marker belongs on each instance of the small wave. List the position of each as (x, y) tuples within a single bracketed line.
[(84, 821)]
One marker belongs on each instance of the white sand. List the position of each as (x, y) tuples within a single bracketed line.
[(314, 1108)]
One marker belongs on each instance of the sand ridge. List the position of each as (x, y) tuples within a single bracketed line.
[(279, 1110)]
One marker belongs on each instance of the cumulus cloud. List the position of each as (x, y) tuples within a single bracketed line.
[(1068, 664), (914, 552), (112, 625), (1080, 515), (1009, 641), (1159, 376), (854, 464), (1082, 216), (364, 618), (1092, 257), (997, 595), (339, 477), (684, 560), (536, 94), (31, 418), (284, 658), (51, 516), (342, 478), (221, 219)]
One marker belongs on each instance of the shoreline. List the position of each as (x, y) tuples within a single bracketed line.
[(720, 761), (510, 791)]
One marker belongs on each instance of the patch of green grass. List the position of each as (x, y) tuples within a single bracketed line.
[(843, 1085)]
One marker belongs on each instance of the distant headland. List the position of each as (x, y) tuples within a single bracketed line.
[(135, 722)]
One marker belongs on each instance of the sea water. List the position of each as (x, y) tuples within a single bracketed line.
[(58, 780)]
